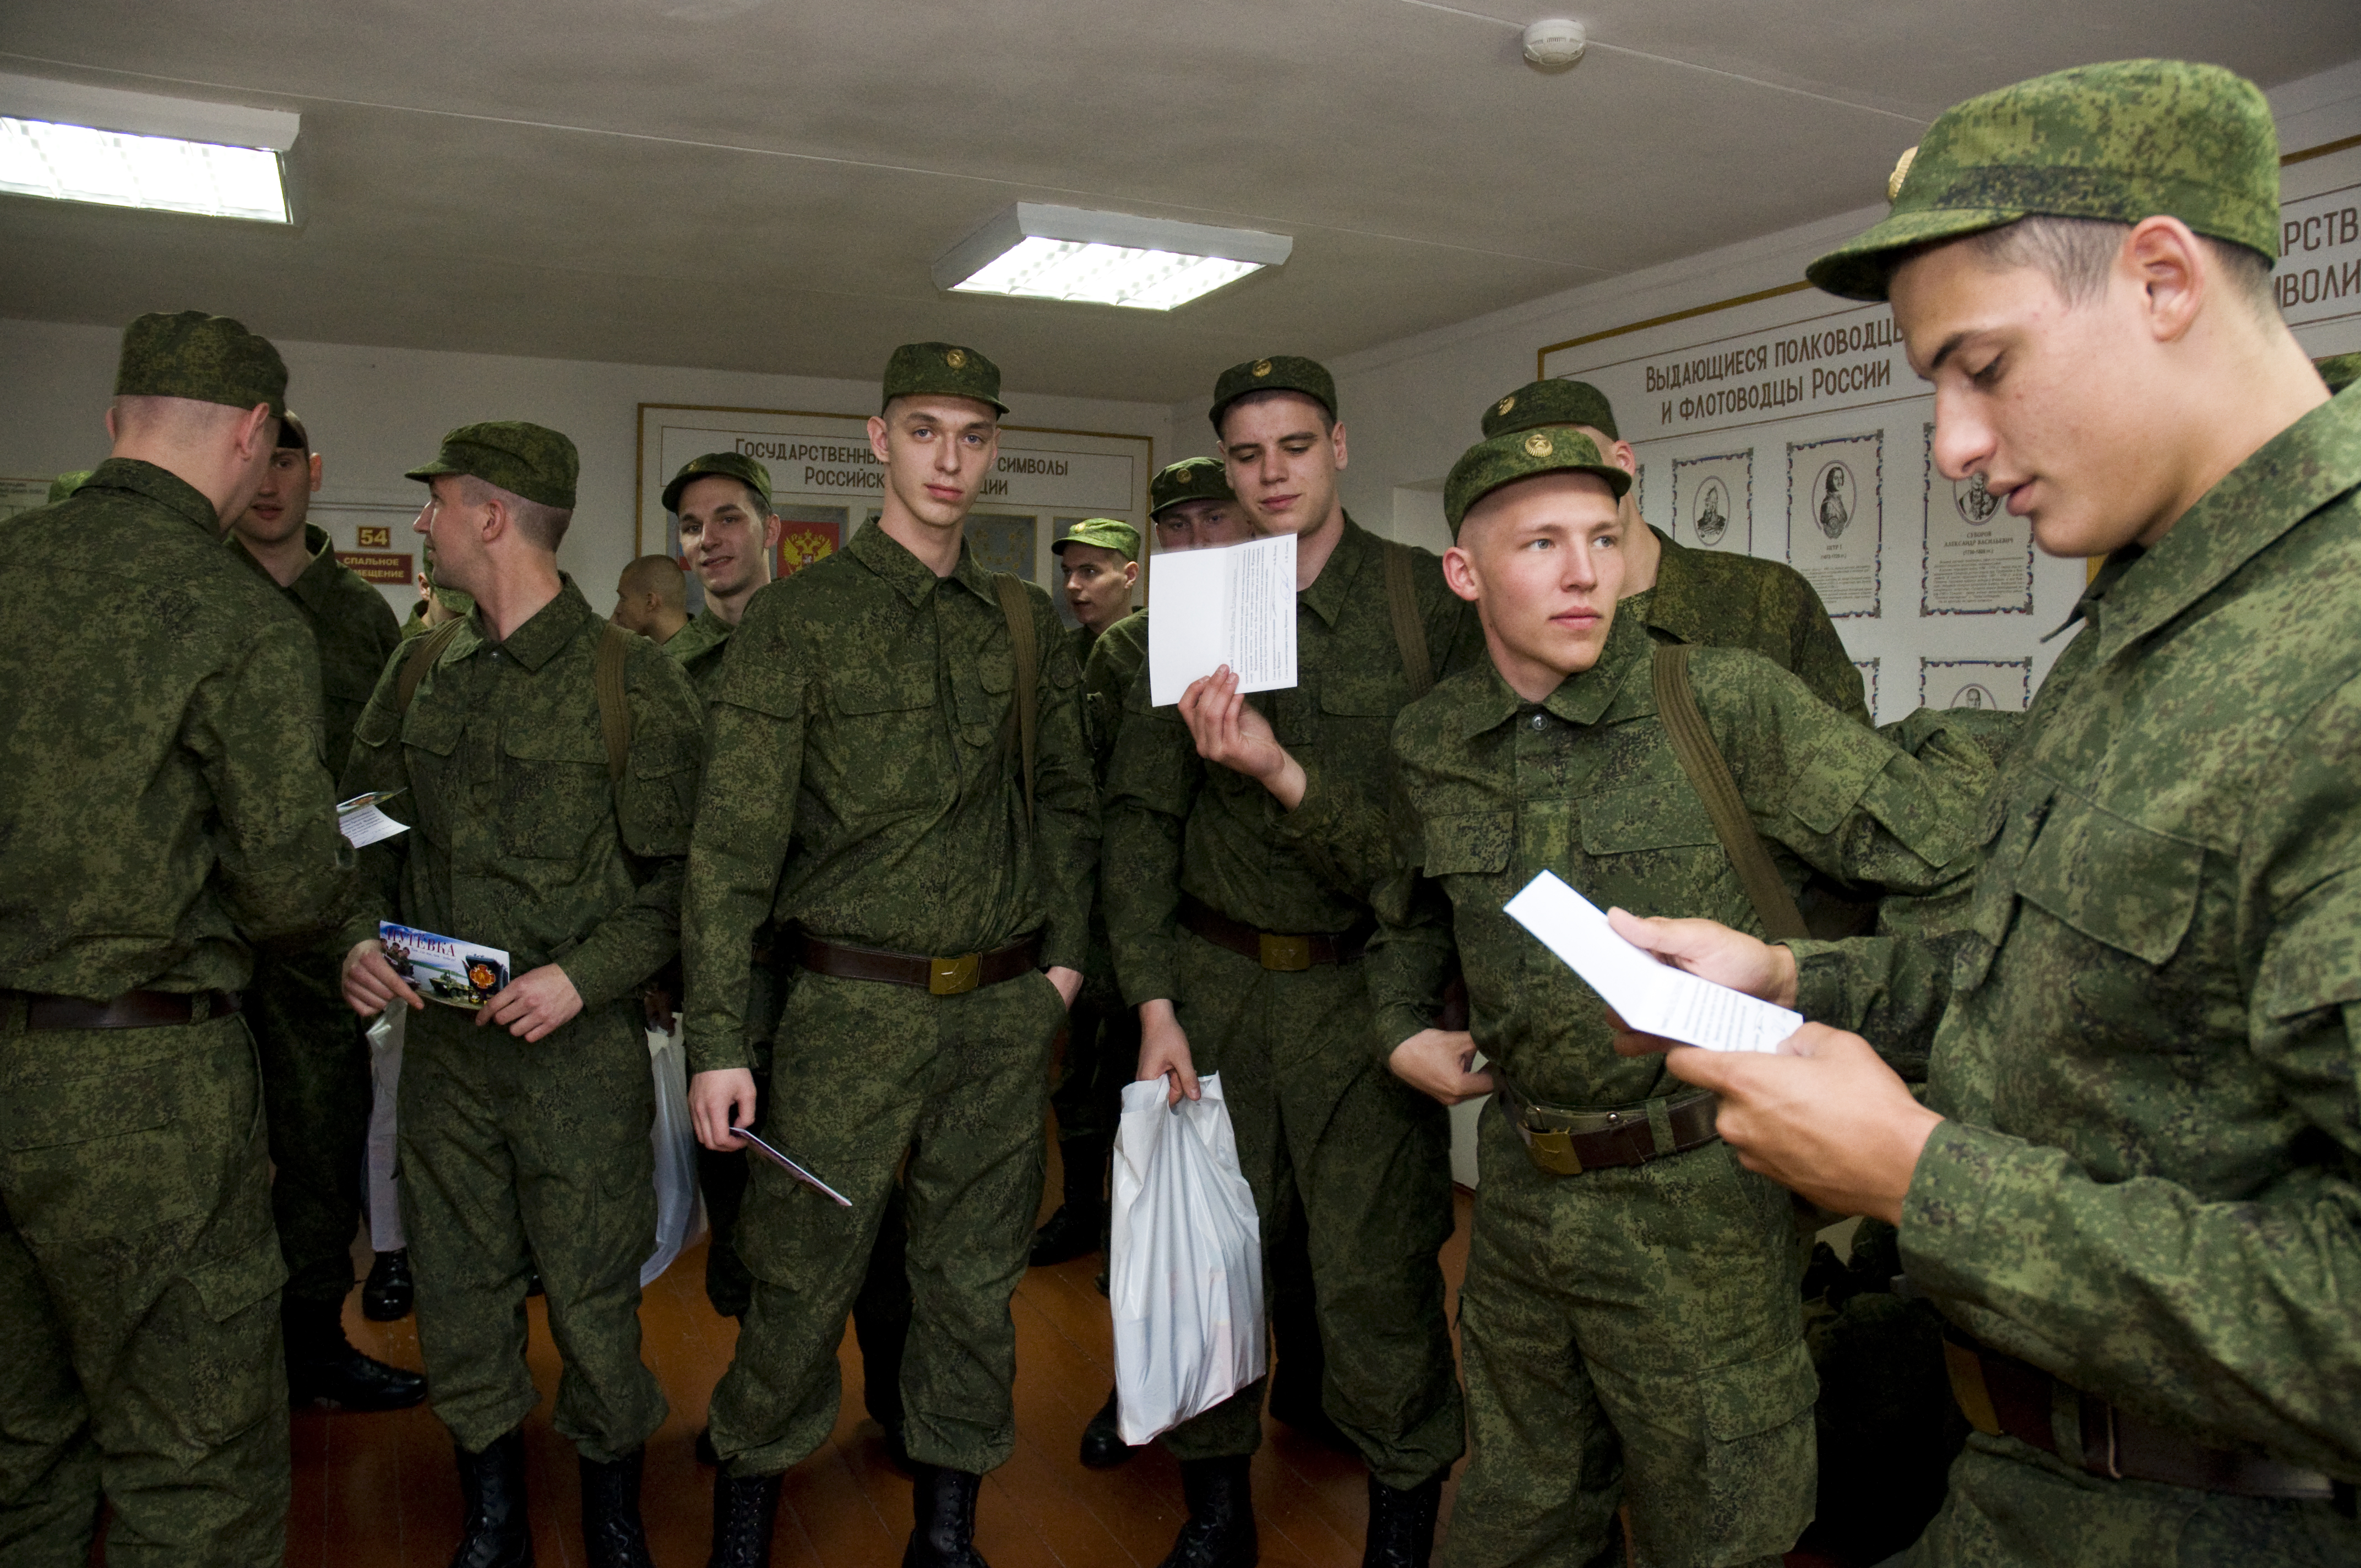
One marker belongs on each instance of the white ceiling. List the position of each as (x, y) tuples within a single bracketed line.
[(763, 184)]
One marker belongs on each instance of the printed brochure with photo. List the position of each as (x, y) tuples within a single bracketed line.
[(441, 969)]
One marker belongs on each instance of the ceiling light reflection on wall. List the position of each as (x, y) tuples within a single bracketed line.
[(1037, 252), (72, 143)]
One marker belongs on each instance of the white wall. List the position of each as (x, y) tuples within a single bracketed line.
[(375, 411)]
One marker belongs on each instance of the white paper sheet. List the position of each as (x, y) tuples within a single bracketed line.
[(362, 824), (1233, 604), (1649, 995)]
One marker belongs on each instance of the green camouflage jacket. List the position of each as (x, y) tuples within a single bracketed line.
[(1175, 826), (520, 839), (2150, 1183), (1491, 790), (865, 781), (353, 626), (697, 649), (1117, 657), (1728, 600), (163, 799)]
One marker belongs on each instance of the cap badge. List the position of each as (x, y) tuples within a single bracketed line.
[(1505, 405), (1901, 173), (956, 358), (1262, 367), (1537, 445)]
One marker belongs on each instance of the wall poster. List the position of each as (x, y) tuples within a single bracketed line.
[(2004, 683), (1835, 502), (1979, 559), (1713, 501)]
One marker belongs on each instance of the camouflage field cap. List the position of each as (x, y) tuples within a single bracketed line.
[(1280, 373), (2120, 142), (2339, 370), (291, 433), (1504, 459), (529, 460), (941, 370), (1104, 532), (1190, 480), (1539, 403), (210, 359), (728, 465), (67, 484)]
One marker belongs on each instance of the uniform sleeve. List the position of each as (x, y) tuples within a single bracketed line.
[(1891, 991), (284, 870), (1065, 798), (655, 803), (1819, 657), (745, 819), (2231, 1318), (1408, 959), (1152, 783), (375, 764), (1104, 682)]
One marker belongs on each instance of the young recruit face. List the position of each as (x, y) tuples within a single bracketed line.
[(1283, 458), (726, 536), (937, 450), (283, 502), (1098, 583), (1542, 560), (1199, 524)]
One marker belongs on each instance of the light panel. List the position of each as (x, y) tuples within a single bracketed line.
[(115, 168), (1038, 252)]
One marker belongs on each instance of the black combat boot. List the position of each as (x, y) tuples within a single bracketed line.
[(323, 1369), (390, 1292), (743, 1512), (1220, 1530), (1081, 1220), (613, 1536), (1102, 1445), (1401, 1523), (942, 1513), (498, 1533)]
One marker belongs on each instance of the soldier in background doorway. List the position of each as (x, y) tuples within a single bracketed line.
[(651, 598)]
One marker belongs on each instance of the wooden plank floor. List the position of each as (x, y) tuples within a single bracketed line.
[(379, 1492)]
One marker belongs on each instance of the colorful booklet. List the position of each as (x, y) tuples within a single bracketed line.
[(461, 975)]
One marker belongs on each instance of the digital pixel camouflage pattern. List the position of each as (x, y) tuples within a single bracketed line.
[(1551, 401), (1313, 1109), (728, 465), (1658, 1303), (1713, 601), (524, 459), (697, 649), (924, 369), (1280, 373), (865, 783), (515, 1153), (209, 359), (165, 804), (2147, 1185), (1117, 657)]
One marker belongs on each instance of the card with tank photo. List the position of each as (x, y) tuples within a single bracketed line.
[(442, 968)]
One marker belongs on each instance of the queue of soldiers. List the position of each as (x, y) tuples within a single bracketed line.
[(886, 831)]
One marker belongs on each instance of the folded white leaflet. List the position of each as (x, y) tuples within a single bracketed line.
[(1232, 605)]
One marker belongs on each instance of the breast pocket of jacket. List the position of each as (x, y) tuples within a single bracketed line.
[(555, 796), (1469, 851), (1651, 848), (882, 756), (430, 741), (2135, 892)]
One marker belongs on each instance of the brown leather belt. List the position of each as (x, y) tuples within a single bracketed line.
[(1273, 949), (132, 1010), (942, 977), (1567, 1143), (2002, 1396)]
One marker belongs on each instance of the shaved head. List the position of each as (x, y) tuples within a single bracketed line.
[(660, 575)]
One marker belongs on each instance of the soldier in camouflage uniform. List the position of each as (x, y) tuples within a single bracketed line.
[(437, 603), (315, 1069), (1630, 1299), (728, 537), (1244, 839), (871, 794), (166, 806), (651, 598), (2131, 1188), (524, 1126)]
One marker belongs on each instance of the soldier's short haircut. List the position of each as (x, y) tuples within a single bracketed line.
[(660, 575), (2076, 254), (184, 418), (545, 525)]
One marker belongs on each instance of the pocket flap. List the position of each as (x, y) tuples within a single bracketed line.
[(1750, 1397), (1470, 843), (1666, 815), (883, 691), (1831, 786), (433, 726), (997, 672), (581, 743), (238, 1279), (2131, 887)]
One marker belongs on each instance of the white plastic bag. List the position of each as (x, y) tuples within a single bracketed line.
[(680, 1209), (1185, 1269), (385, 1038)]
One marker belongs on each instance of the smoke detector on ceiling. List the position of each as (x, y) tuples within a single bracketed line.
[(1555, 44)]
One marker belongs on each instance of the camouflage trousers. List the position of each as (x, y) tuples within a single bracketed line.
[(517, 1157), (2011, 1505), (316, 1091), (864, 1074), (1632, 1334), (138, 1299), (1321, 1122), (1102, 1056)]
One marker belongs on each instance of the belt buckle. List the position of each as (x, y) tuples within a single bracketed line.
[(953, 977), (1551, 1149), (1285, 953)]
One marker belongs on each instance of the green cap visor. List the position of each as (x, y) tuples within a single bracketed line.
[(528, 460), (1101, 534), (724, 464)]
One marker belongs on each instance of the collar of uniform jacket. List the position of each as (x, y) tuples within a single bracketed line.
[(1582, 698), (913, 578), (160, 484), (1328, 592), (1673, 604), (2293, 475), (540, 640), (314, 584)]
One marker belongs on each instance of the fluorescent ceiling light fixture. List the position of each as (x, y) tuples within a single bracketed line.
[(72, 143), (1037, 252)]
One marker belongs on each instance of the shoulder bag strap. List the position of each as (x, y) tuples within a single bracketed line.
[(614, 703), (1024, 641), (1709, 776), (1409, 632), (420, 659)]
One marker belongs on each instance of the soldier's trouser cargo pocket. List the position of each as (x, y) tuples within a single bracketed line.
[(138, 1299), (1632, 1334)]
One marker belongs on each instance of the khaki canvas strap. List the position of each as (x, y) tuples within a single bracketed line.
[(1709, 776), (614, 704), (1409, 632), (1026, 644), (420, 659)]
